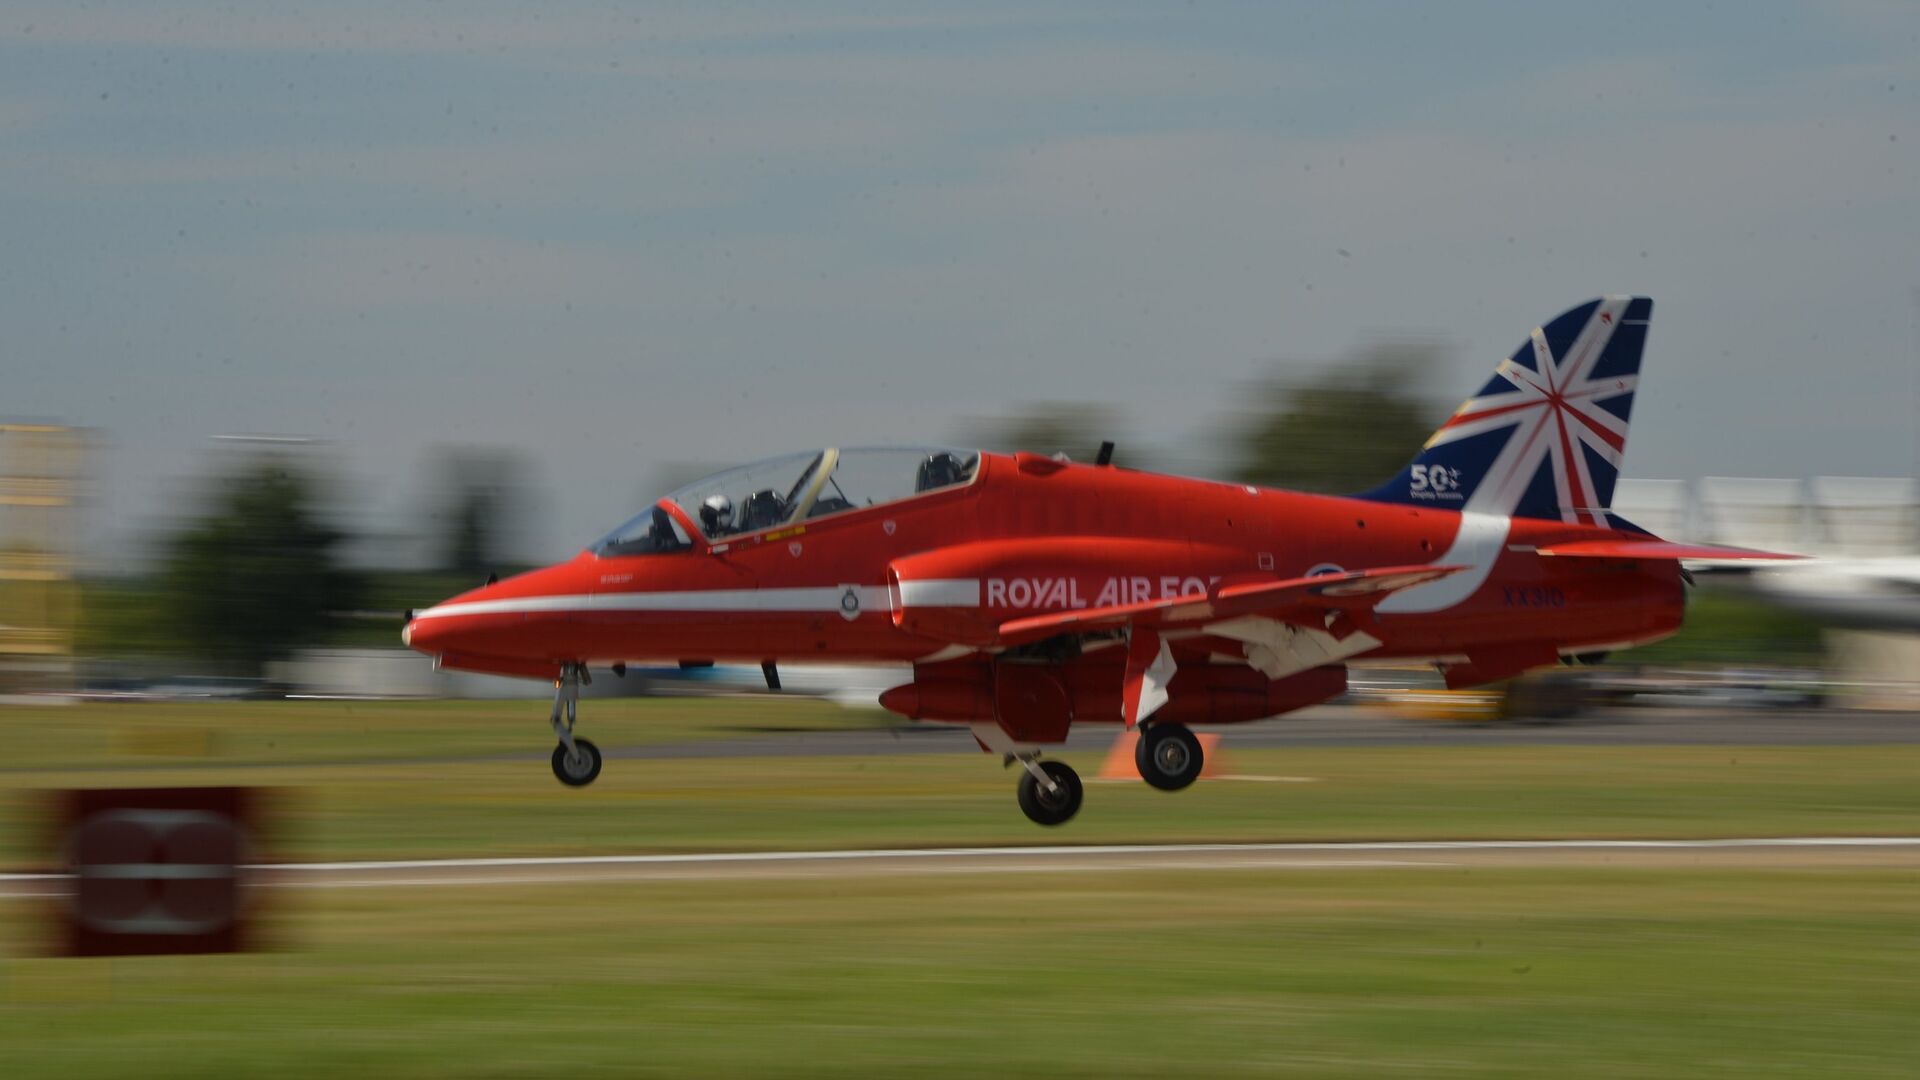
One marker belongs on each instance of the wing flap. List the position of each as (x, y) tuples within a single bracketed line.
[(1324, 592)]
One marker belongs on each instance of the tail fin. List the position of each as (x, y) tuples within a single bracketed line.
[(1544, 438)]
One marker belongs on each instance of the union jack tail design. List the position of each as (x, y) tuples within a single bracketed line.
[(1545, 436)]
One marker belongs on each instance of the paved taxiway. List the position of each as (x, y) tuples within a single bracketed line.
[(1769, 852)]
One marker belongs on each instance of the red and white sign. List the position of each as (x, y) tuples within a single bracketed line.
[(157, 870)]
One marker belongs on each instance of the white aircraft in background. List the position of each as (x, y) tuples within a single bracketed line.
[(1865, 594), (1861, 533)]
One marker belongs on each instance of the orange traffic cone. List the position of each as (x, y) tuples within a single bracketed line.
[(1120, 766)]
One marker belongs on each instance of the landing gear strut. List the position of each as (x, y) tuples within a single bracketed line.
[(1168, 756), (1050, 791), (576, 762)]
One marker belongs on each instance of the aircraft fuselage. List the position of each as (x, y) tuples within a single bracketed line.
[(909, 580)]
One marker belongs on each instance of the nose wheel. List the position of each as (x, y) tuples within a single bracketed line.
[(1168, 756), (576, 762), (578, 766)]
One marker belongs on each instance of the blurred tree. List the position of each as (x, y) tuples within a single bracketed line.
[(1348, 428), (469, 539), (1056, 427), (258, 574), (480, 506), (123, 618)]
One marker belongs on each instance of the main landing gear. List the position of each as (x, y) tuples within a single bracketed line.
[(1168, 756), (575, 761), (1050, 792)]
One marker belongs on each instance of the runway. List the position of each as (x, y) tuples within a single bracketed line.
[(1889, 852)]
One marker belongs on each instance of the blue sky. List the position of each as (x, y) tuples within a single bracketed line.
[(616, 236)]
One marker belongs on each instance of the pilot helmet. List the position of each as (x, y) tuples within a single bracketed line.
[(716, 511)]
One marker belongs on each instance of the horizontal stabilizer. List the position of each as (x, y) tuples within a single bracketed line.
[(1661, 549), (1322, 592)]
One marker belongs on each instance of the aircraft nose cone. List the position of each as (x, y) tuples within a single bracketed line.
[(423, 635), (505, 619), (438, 629)]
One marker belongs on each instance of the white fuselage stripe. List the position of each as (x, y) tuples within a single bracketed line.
[(941, 592), (1478, 545), (823, 598)]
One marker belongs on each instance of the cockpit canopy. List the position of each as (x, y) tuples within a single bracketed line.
[(794, 488)]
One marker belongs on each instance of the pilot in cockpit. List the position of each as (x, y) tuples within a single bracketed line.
[(941, 469), (716, 515), (763, 510)]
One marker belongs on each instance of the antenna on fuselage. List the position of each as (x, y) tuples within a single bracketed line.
[(1105, 457)]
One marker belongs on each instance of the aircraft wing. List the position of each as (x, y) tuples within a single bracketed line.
[(1274, 599), (1709, 554)]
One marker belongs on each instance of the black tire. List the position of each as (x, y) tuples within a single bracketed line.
[(581, 771), (1058, 807), (1168, 756)]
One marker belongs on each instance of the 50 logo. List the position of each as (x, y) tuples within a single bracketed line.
[(1434, 482)]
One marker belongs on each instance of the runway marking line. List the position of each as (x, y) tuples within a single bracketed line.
[(1042, 868), (1054, 851), (1099, 849)]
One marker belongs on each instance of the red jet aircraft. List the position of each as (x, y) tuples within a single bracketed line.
[(1031, 593)]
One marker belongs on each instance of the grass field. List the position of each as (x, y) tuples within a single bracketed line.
[(1304, 973), (1461, 971)]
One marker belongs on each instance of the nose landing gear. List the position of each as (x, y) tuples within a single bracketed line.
[(579, 766), (576, 762)]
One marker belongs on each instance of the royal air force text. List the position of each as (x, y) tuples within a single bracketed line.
[(1065, 592)]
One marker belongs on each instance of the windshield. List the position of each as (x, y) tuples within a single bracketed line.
[(648, 532), (793, 488)]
